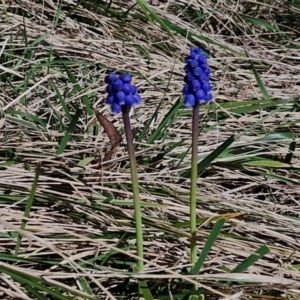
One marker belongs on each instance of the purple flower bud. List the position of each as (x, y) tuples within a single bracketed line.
[(109, 100), (110, 89), (196, 85), (200, 95), (119, 98), (188, 69), (115, 108), (208, 97), (186, 89), (111, 78), (206, 72), (134, 89), (137, 99), (197, 50), (197, 71), (129, 100), (127, 89), (126, 78), (189, 100), (192, 63), (118, 85), (197, 88), (206, 87), (189, 77), (121, 92), (202, 59), (203, 78)]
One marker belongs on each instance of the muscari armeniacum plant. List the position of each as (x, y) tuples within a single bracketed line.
[(197, 90), (122, 95)]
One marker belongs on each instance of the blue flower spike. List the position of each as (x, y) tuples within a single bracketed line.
[(197, 88), (121, 92), (121, 96), (196, 91)]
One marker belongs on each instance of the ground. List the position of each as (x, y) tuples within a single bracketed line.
[(67, 218)]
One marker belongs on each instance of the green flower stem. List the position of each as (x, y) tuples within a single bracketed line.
[(193, 190), (135, 188)]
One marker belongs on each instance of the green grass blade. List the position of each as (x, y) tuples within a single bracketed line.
[(56, 291), (183, 155), (62, 102), (40, 39), (196, 297), (278, 136), (263, 162), (112, 252), (259, 82), (70, 130), (28, 206), (78, 88), (289, 156), (22, 122), (154, 115), (30, 117), (261, 23), (161, 128), (251, 260), (149, 122), (144, 289), (85, 161), (85, 286), (4, 9), (242, 107), (190, 35), (152, 16), (210, 158), (209, 243), (34, 292), (57, 16)]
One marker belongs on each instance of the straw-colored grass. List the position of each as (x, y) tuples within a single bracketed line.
[(79, 235)]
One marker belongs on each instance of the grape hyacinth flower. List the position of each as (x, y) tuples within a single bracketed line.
[(197, 88), (122, 95), (121, 92)]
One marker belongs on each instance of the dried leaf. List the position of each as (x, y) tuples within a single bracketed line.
[(109, 128), (108, 155), (112, 133)]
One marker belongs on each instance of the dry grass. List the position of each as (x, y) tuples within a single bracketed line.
[(81, 212)]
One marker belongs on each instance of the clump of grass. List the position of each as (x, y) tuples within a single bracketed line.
[(74, 218)]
